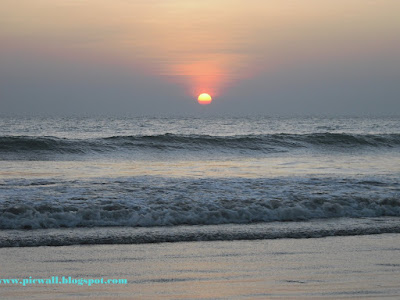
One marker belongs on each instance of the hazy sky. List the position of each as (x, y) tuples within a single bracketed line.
[(155, 56)]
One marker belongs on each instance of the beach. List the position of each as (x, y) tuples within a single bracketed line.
[(331, 268)]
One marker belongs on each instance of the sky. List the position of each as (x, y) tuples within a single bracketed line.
[(157, 56)]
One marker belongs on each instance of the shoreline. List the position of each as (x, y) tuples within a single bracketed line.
[(329, 268)]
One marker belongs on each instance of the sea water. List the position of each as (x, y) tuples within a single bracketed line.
[(103, 179)]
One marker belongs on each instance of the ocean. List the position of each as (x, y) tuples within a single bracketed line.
[(136, 180)]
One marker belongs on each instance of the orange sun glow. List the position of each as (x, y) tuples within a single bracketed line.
[(204, 98)]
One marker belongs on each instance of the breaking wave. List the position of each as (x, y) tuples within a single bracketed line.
[(77, 212)]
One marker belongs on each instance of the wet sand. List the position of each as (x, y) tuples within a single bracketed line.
[(332, 267)]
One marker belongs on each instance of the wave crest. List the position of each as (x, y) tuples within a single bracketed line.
[(172, 142)]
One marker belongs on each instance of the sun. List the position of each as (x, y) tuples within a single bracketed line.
[(204, 99)]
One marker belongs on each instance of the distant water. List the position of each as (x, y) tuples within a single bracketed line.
[(154, 179)]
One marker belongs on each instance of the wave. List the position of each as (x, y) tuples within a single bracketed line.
[(150, 201), (269, 143), (276, 230), (79, 213)]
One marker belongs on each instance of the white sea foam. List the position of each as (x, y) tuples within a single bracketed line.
[(147, 201)]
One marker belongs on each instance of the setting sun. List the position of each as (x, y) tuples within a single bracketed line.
[(204, 98)]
